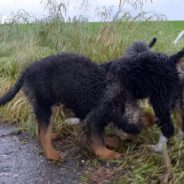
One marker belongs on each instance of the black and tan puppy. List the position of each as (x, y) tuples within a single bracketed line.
[(153, 76), (178, 103), (82, 86), (134, 113)]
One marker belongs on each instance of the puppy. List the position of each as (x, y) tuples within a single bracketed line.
[(178, 104), (154, 76), (133, 112), (81, 86)]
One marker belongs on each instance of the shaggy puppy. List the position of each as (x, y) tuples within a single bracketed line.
[(133, 112), (80, 85), (154, 76), (178, 104)]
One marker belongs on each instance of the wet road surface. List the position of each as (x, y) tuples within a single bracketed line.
[(21, 163)]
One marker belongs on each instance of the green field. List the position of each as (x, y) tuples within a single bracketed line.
[(21, 44)]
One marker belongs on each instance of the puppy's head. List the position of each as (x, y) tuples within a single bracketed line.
[(147, 119), (144, 120)]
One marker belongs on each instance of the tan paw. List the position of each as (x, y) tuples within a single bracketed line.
[(55, 155), (105, 153), (155, 148), (113, 156)]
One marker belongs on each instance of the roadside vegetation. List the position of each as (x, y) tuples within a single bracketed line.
[(25, 39)]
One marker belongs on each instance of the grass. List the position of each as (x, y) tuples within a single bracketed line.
[(21, 44)]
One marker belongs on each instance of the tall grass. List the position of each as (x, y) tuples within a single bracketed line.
[(23, 41)]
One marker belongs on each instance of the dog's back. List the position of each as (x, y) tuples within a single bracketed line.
[(50, 80), (147, 73)]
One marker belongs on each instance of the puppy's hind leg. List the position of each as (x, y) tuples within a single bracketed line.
[(96, 121), (43, 116)]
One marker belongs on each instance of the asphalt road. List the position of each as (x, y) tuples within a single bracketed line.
[(21, 163)]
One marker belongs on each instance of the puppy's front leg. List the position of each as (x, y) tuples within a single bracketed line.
[(162, 111), (160, 145)]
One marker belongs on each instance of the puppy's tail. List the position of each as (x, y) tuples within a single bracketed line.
[(152, 43), (176, 57), (13, 91)]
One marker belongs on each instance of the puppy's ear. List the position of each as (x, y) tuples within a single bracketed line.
[(147, 119)]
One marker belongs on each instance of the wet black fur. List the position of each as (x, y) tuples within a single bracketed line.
[(178, 101), (138, 47), (132, 51), (154, 76), (79, 84)]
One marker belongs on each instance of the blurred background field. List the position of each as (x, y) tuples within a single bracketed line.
[(23, 41)]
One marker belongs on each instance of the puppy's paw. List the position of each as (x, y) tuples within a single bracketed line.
[(110, 155), (105, 153), (72, 121), (156, 148), (55, 156)]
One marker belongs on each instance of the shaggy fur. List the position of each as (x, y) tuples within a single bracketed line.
[(154, 76), (80, 85), (133, 112), (178, 104), (138, 47)]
